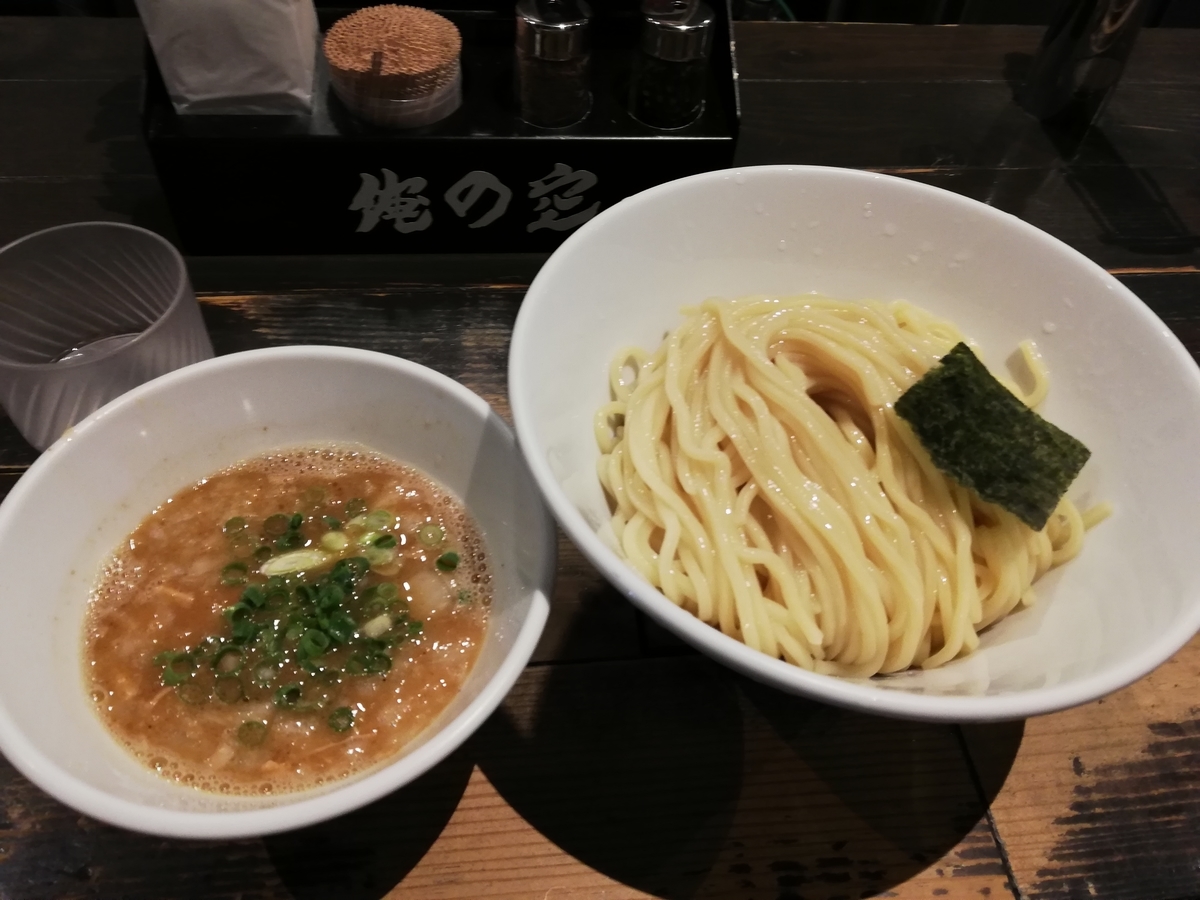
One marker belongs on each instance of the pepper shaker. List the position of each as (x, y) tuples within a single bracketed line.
[(552, 61), (670, 72)]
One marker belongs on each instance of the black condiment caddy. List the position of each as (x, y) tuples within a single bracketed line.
[(481, 180)]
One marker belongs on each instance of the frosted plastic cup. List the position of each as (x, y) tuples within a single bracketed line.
[(88, 311)]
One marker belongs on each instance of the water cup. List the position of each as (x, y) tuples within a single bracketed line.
[(88, 311)]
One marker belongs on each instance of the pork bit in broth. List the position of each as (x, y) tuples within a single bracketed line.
[(288, 621)]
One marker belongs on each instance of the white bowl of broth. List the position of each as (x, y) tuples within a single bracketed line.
[(803, 240), (197, 674)]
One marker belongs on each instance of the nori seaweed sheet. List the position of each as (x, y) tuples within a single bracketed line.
[(977, 432)]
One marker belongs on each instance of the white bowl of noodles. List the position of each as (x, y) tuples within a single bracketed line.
[(109, 472), (1125, 603)]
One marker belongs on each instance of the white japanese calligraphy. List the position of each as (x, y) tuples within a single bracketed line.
[(469, 189), (399, 202), (559, 192)]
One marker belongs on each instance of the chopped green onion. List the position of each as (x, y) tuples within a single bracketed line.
[(287, 696), (171, 675), (252, 734), (415, 627), (234, 573), (431, 535), (265, 674), (289, 541), (277, 597), (229, 689), (448, 561), (244, 632), (378, 520), (228, 660), (295, 561), (341, 719), (243, 629), (292, 621), (355, 506), (253, 596), (192, 693), (329, 596), (351, 568), (377, 556), (276, 525), (240, 542), (464, 596), (379, 598), (334, 541), (314, 642), (372, 663), (312, 669), (234, 525), (339, 625)]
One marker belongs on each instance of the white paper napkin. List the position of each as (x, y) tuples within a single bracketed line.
[(249, 57)]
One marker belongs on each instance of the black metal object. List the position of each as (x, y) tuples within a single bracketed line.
[(1081, 59), (481, 180)]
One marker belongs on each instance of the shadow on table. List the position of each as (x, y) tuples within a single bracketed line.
[(364, 854), (679, 779)]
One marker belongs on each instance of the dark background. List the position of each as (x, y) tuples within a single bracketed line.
[(1165, 13)]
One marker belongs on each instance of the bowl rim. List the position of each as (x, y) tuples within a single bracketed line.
[(711, 641), (309, 808)]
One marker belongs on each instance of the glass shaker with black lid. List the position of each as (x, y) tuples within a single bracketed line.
[(552, 61), (670, 72)]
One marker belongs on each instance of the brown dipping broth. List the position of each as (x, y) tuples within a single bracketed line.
[(221, 677)]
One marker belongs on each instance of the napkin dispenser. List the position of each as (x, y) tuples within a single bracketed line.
[(481, 180)]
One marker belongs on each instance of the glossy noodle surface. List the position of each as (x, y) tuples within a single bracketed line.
[(760, 478)]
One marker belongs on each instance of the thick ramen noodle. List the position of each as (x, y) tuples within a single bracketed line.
[(288, 621), (759, 477)]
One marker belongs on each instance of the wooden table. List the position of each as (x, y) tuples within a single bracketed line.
[(623, 765)]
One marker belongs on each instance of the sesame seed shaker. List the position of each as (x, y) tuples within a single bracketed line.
[(553, 56), (670, 71)]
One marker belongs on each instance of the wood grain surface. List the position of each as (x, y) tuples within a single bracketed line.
[(704, 785), (1104, 800)]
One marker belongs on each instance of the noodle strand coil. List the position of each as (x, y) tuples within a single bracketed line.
[(760, 479)]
